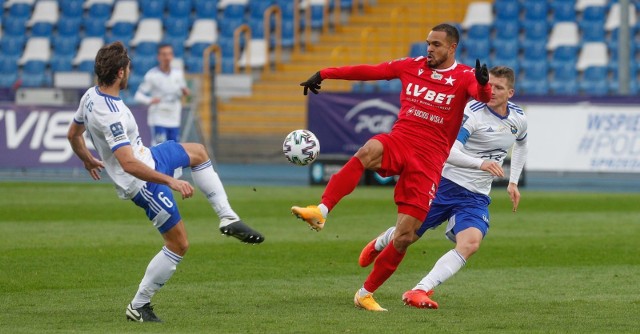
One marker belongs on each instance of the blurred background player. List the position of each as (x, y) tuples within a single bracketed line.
[(488, 132), (435, 91), (144, 175), (162, 90)]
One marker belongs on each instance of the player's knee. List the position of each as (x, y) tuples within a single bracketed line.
[(468, 247), (402, 241), (179, 247), (368, 156)]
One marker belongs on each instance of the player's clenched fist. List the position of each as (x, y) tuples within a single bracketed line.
[(482, 73), (312, 83)]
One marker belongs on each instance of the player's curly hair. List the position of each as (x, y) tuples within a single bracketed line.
[(110, 59), (452, 32), (504, 72)]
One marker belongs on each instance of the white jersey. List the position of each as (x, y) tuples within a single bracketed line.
[(485, 135), (168, 87), (110, 125)]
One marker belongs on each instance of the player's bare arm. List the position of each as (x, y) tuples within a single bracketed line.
[(91, 164), (135, 167)]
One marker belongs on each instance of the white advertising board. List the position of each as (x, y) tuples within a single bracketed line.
[(583, 138)]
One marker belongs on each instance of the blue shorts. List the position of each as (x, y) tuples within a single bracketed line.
[(157, 199), (160, 134), (461, 207)]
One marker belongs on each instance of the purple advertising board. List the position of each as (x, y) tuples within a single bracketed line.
[(34, 136), (343, 121)]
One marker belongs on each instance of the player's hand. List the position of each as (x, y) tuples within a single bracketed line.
[(492, 167), (186, 91), (514, 194), (94, 167), (183, 187), (482, 73), (154, 100), (312, 84)]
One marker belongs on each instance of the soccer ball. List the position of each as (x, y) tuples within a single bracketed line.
[(301, 147)]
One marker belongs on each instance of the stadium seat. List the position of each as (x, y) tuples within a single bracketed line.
[(100, 11), (141, 64), (478, 13), (205, 9), (226, 47), (134, 82), (592, 54), (61, 63), (149, 30), (228, 65), (564, 87), (179, 8), (234, 11), (563, 11), (257, 57), (257, 27), (505, 48), (477, 49), (507, 29), (594, 14), (563, 34), (65, 45), (68, 26), (534, 51), (564, 56), (86, 66), (613, 18), (37, 48), (390, 86), (533, 87), (12, 26), (592, 31), (149, 49), (594, 73), (177, 43), (506, 10), (511, 63), (124, 12), (228, 26), (12, 46), (88, 49), (203, 31), (44, 12), (193, 64), (8, 65), (222, 4), (42, 29), (152, 9), (418, 49), (317, 15), (197, 49), (71, 8), (94, 27), (288, 30), (536, 70), (535, 30), (286, 6), (479, 31), (614, 84), (566, 72), (535, 10), (258, 7), (20, 10), (581, 5)]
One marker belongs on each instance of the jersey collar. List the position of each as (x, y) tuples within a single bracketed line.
[(498, 115), (107, 95)]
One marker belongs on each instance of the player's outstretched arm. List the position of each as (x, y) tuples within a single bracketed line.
[(79, 146), (312, 84), (135, 167)]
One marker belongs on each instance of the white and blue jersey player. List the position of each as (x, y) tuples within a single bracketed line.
[(145, 175), (488, 132), (162, 89)]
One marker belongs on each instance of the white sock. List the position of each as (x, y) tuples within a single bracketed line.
[(445, 267), (208, 181), (159, 270), (323, 208), (383, 240), (363, 292)]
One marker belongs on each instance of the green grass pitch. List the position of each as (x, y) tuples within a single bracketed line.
[(72, 255)]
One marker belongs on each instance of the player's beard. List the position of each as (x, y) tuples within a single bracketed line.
[(434, 62), (124, 81)]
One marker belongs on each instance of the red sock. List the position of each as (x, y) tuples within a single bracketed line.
[(385, 265), (343, 182)]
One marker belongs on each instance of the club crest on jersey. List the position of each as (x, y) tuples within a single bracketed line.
[(436, 76), (514, 130)]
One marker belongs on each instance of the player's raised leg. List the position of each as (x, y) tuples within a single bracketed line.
[(208, 181), (342, 184)]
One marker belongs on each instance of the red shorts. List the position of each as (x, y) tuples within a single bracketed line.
[(419, 179)]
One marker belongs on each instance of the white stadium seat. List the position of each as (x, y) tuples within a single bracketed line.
[(45, 11), (88, 3), (203, 31), (478, 13), (88, 49), (224, 3), (38, 48), (258, 54), (563, 34), (9, 3), (149, 30), (613, 19), (592, 54), (125, 11), (582, 4)]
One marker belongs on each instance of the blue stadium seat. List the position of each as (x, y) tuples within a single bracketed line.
[(592, 31), (475, 48), (99, 11), (512, 63), (71, 8), (69, 26), (257, 7), (142, 64), (564, 87), (234, 11), (61, 63), (34, 67), (207, 9), (286, 6), (42, 29), (13, 26), (535, 30), (8, 65), (193, 64), (533, 87), (506, 10), (535, 10), (507, 29), (534, 50), (535, 70), (287, 33), (20, 10), (595, 81), (479, 31), (317, 15), (94, 27), (12, 45), (614, 85), (152, 8), (147, 49), (179, 8), (226, 47), (594, 13), (257, 27), (227, 65), (121, 31), (134, 82), (8, 80), (505, 48), (86, 66), (35, 80), (227, 26), (177, 26), (390, 86), (564, 56), (566, 72), (65, 45), (197, 49), (563, 11), (418, 49), (595, 73), (177, 43)]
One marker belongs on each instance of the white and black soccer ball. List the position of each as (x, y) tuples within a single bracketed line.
[(301, 147)]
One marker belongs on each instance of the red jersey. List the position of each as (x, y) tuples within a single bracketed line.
[(431, 102)]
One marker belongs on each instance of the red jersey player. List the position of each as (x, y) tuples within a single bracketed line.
[(435, 91)]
